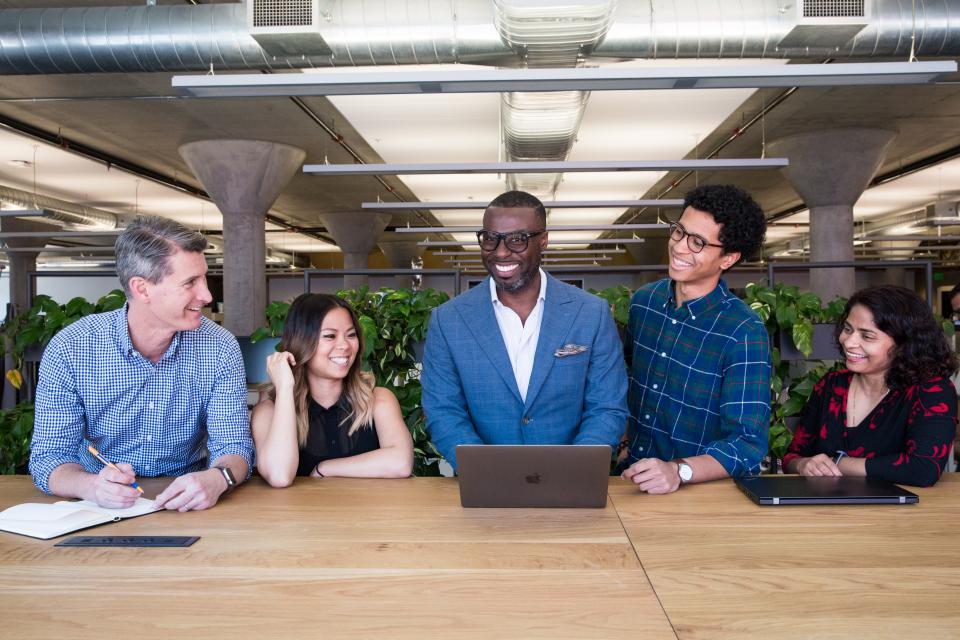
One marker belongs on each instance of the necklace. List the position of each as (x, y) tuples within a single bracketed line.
[(852, 400)]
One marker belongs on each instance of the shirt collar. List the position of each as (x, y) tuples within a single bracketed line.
[(541, 297), (122, 331), (700, 305)]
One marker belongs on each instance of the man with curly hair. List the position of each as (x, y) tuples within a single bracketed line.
[(699, 357)]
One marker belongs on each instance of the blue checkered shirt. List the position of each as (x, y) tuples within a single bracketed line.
[(165, 419), (699, 378)]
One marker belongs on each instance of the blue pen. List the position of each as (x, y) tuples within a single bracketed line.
[(840, 456), (99, 457)]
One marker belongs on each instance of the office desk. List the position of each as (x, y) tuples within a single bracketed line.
[(400, 558)]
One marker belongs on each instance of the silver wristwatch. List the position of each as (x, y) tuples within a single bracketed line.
[(227, 475), (685, 471)]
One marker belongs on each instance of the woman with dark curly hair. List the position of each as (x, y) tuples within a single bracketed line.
[(892, 413)]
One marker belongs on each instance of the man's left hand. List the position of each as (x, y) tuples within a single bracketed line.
[(653, 475), (193, 492)]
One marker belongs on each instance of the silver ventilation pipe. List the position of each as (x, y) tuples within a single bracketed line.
[(374, 32), (59, 210), (197, 38), (544, 126), (773, 29)]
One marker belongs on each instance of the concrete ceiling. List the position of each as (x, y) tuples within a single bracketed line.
[(138, 120)]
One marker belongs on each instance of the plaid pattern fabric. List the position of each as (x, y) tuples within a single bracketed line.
[(167, 418), (699, 378)]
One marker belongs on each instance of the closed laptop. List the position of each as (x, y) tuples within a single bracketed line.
[(533, 475), (798, 490)]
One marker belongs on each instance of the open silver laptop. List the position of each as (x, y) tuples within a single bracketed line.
[(533, 475)]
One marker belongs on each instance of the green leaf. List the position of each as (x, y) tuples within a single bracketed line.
[(802, 335)]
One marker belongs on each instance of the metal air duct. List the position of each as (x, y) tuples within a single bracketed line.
[(59, 209)]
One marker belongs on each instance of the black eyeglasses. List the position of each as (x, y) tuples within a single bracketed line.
[(515, 241), (694, 242)]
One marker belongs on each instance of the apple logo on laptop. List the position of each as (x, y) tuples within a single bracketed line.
[(533, 478)]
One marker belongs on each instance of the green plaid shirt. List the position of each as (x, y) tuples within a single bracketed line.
[(699, 378)]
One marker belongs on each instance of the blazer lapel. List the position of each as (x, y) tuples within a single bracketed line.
[(479, 317), (559, 311)]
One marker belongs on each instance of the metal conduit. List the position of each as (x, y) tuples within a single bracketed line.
[(374, 32), (59, 209)]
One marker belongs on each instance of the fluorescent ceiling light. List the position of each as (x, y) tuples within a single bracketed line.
[(547, 252), (456, 243), (556, 204), (542, 167), (249, 85), (550, 227)]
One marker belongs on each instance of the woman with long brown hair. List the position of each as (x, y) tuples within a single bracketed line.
[(324, 416)]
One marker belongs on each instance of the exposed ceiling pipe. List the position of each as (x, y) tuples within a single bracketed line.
[(59, 209), (544, 126), (374, 32)]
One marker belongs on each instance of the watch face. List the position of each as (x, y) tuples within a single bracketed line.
[(686, 472)]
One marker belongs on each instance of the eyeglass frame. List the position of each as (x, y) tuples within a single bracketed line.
[(502, 237), (686, 234)]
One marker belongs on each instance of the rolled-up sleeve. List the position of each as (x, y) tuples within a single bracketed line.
[(58, 422), (744, 402), (228, 421)]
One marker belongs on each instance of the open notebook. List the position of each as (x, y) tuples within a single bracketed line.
[(47, 521)]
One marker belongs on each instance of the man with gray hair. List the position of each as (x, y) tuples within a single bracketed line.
[(154, 386)]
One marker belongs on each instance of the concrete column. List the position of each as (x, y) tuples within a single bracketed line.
[(244, 178), (830, 169), (401, 252), (356, 235), (22, 264)]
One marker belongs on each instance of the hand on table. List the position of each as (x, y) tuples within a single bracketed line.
[(193, 492), (819, 465), (111, 488), (653, 475)]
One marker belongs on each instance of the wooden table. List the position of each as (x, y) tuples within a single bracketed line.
[(400, 558)]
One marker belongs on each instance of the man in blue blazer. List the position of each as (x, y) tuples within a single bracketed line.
[(522, 358)]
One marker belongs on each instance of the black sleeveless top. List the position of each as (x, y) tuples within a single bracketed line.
[(327, 438)]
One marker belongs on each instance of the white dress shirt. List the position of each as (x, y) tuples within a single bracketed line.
[(520, 338)]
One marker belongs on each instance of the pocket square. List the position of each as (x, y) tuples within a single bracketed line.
[(569, 349)]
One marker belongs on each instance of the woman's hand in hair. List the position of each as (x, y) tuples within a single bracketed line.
[(280, 369)]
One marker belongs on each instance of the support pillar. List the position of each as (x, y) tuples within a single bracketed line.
[(244, 178), (401, 252), (830, 169), (356, 234), (21, 264)]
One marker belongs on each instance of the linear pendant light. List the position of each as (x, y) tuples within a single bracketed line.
[(555, 204), (455, 243), (597, 166), (610, 78), (550, 227)]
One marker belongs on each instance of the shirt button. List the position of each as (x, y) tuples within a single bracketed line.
[(655, 386), (673, 322), (646, 416), (663, 354), (150, 405), (525, 420), (693, 317), (149, 438), (148, 467)]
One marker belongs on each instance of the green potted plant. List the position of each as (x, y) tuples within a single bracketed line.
[(262, 342), (796, 322)]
